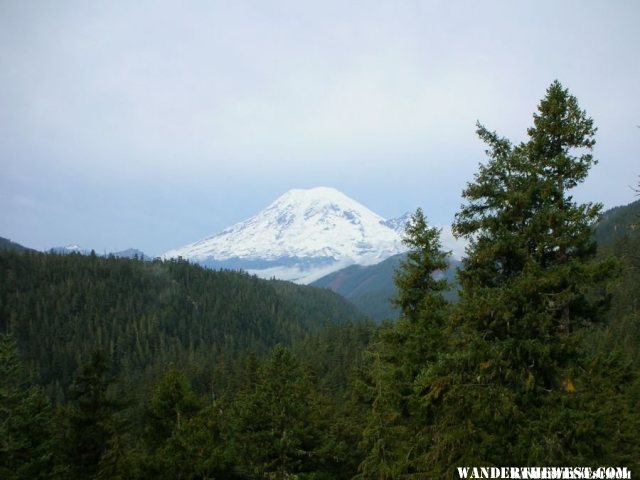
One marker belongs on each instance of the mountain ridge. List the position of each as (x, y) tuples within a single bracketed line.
[(371, 288)]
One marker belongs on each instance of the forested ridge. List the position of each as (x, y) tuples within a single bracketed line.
[(62, 308), (103, 338), (119, 368)]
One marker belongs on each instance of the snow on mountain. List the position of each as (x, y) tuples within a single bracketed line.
[(398, 224), (73, 248), (302, 236)]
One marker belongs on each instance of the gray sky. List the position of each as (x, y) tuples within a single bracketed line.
[(154, 124)]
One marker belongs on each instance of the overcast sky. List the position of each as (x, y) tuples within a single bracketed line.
[(155, 124)]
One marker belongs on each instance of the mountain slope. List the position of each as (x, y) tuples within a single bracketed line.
[(146, 314), (355, 280), (618, 222), (6, 244), (302, 236), (371, 288)]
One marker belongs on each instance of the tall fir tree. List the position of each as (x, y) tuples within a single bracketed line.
[(89, 420), (281, 429), (516, 386), (26, 437), (395, 435), (419, 288)]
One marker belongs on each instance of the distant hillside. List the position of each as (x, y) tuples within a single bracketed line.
[(356, 280), (6, 244), (131, 253), (618, 222), (370, 288), (148, 314)]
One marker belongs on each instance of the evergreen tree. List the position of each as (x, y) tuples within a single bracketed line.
[(89, 420), (419, 289), (26, 450), (395, 434), (146, 315), (172, 404), (515, 385), (281, 423), (184, 440)]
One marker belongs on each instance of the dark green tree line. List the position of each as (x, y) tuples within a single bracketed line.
[(144, 315)]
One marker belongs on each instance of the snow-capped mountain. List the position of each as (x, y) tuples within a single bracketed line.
[(302, 236)]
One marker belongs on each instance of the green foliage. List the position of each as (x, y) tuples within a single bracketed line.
[(149, 362), (510, 375), (25, 422), (172, 404), (618, 223), (278, 420), (89, 419), (372, 288), (183, 436), (623, 329), (530, 262), (333, 353), (6, 244), (60, 308), (418, 287), (395, 432), (513, 387)]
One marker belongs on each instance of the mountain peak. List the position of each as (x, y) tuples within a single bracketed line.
[(319, 203), (320, 192), (302, 235), (321, 195), (316, 195)]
